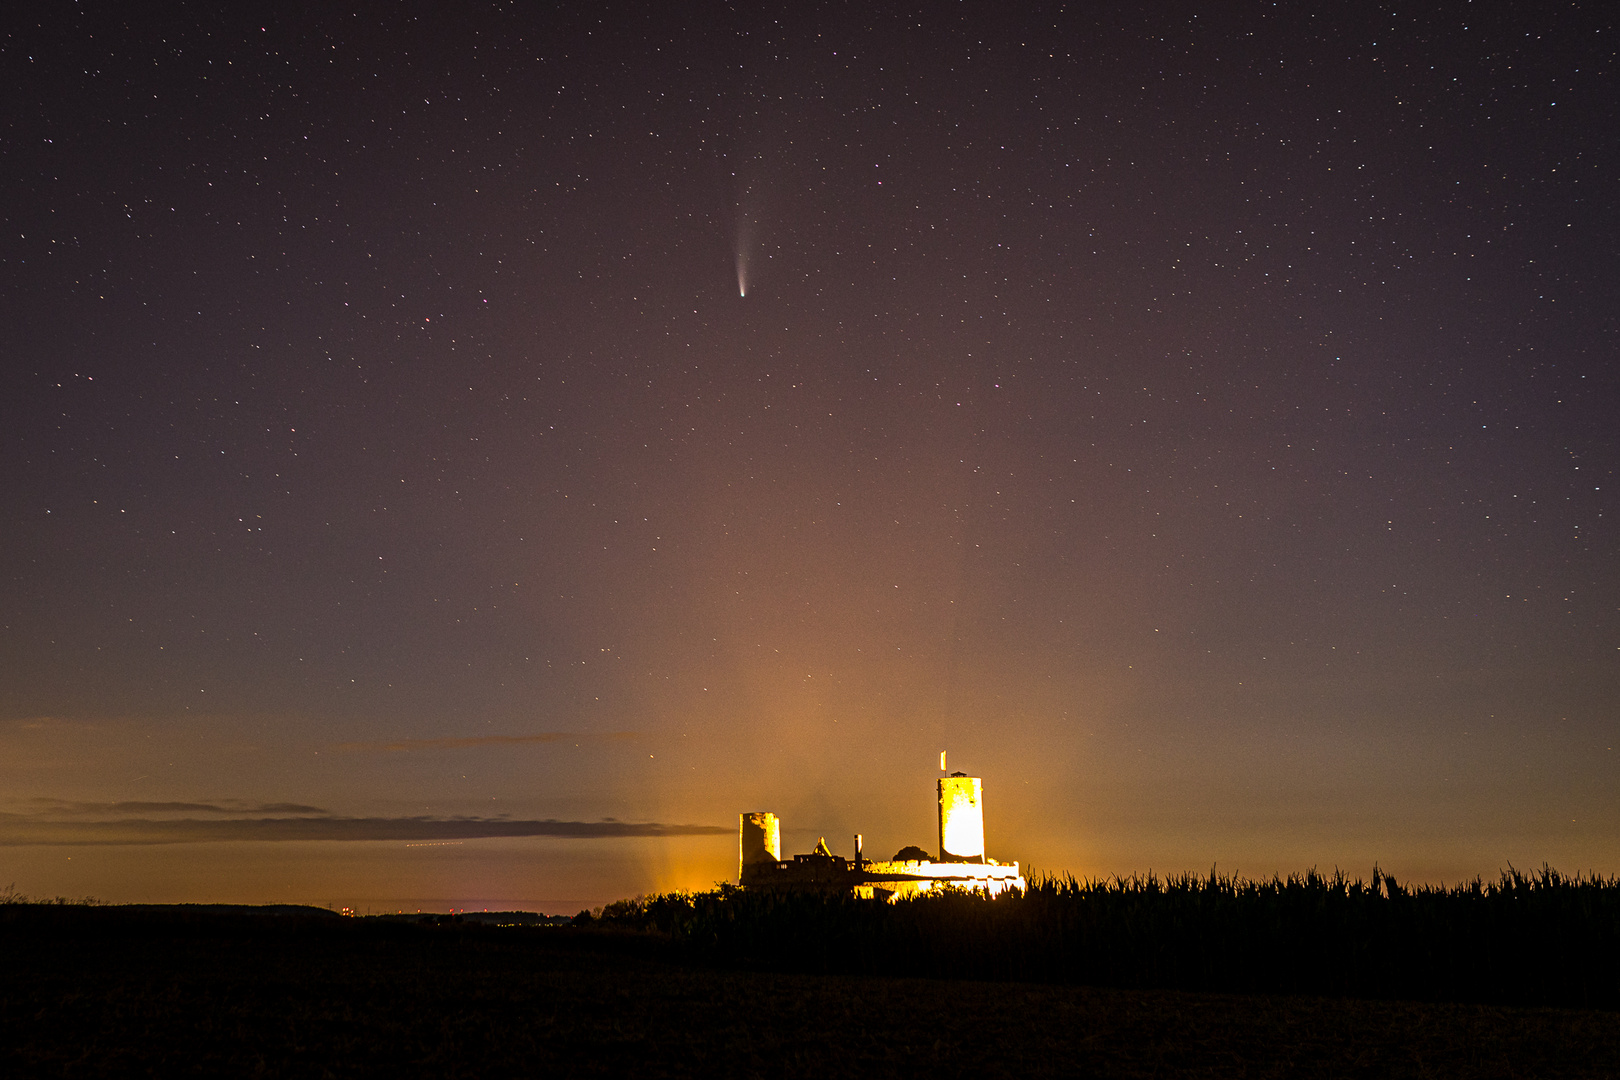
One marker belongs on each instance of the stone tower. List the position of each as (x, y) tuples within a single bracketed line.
[(961, 819), (760, 841)]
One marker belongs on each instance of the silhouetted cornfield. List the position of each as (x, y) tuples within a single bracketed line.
[(1541, 938)]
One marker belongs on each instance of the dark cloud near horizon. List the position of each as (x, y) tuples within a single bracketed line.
[(228, 806), (20, 831), (488, 740)]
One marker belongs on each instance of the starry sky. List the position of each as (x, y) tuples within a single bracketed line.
[(462, 456)]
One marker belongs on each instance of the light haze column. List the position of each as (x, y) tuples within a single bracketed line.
[(759, 841), (961, 819)]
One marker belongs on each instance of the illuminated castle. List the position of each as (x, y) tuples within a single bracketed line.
[(961, 863)]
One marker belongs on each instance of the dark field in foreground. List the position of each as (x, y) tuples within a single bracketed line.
[(109, 991), (1525, 939)]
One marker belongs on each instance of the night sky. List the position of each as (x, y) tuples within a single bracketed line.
[(463, 456)]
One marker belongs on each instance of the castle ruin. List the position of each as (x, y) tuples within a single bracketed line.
[(961, 861)]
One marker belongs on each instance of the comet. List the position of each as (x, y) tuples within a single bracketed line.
[(746, 234)]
